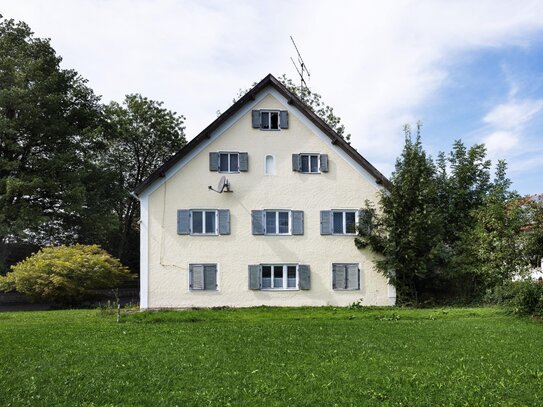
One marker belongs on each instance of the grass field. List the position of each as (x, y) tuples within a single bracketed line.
[(271, 356)]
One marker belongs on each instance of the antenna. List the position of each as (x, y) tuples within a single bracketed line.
[(224, 186), (303, 67)]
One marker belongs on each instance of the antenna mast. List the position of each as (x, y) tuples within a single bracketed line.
[(302, 69)]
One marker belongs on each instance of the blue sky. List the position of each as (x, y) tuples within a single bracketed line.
[(479, 84), (468, 70)]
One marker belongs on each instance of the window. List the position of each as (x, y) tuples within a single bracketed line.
[(203, 277), (277, 222), (343, 222), (345, 276), (270, 165), (228, 162), (203, 222), (270, 119), (310, 163), (279, 277)]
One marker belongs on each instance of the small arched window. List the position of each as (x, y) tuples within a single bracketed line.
[(270, 165)]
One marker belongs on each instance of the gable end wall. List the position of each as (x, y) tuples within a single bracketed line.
[(166, 255)]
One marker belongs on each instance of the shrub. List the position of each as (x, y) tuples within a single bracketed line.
[(65, 274), (523, 297)]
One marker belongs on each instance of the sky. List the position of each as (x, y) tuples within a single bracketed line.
[(469, 70)]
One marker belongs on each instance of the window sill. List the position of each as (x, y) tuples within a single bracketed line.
[(203, 291), (279, 289), (345, 289), (204, 234)]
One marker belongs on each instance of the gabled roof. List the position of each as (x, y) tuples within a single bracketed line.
[(293, 100)]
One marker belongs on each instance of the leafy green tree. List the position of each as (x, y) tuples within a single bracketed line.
[(314, 101), (445, 230), (408, 232), (48, 121), (533, 228), (495, 240), (65, 274), (139, 135)]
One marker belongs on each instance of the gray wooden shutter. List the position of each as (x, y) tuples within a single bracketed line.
[(213, 161), (224, 221), (256, 119), (353, 282), (304, 275), (297, 222), (257, 222), (338, 277), (326, 222), (295, 162), (243, 162), (324, 162), (255, 277), (284, 119), (183, 222), (196, 276), (210, 277)]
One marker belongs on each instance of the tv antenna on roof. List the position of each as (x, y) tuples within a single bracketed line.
[(302, 68), (224, 186)]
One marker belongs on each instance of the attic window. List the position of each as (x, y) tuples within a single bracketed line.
[(268, 119)]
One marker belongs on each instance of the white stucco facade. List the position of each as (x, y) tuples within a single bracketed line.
[(166, 255)]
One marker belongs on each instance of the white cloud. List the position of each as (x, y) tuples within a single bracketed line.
[(513, 114), (505, 130), (501, 141), (377, 63)]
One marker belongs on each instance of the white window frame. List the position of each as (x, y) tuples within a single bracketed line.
[(270, 111), (216, 277), (309, 155), (344, 233), (274, 171), (277, 222), (345, 263), (285, 276), (229, 153), (204, 231)]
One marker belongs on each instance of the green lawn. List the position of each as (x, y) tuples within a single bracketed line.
[(271, 356)]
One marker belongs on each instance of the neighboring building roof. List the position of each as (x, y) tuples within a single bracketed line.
[(293, 100)]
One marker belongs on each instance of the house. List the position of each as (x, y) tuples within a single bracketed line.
[(282, 231)]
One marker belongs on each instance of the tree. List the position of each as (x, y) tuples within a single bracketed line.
[(65, 274), (314, 102), (445, 230), (48, 121), (495, 244), (139, 135), (533, 228), (408, 231)]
